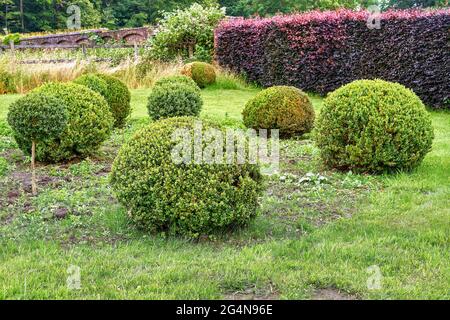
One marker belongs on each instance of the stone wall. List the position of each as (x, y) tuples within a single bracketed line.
[(129, 36)]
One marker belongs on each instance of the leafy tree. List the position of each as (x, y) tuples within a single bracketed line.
[(133, 13), (404, 4), (49, 15), (248, 8), (8, 14), (186, 33)]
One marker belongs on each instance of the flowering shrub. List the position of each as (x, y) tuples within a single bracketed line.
[(187, 33), (321, 51)]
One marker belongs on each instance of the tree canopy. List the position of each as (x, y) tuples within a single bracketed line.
[(49, 15)]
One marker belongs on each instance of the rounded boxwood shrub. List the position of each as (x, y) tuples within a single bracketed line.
[(37, 117), (89, 123), (174, 100), (202, 73), (374, 126), (93, 82), (189, 198), (118, 97), (285, 108), (177, 80)]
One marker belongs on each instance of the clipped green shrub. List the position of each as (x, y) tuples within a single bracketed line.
[(189, 198), (374, 126), (176, 80), (174, 100), (285, 108), (202, 73), (118, 97), (37, 116), (186, 33), (94, 82), (89, 123)]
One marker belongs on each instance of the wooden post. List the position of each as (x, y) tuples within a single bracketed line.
[(191, 50), (83, 48), (136, 52), (13, 55), (33, 169), (12, 47)]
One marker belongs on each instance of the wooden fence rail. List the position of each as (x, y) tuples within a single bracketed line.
[(83, 46), (64, 46)]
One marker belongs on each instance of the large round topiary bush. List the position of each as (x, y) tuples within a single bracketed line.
[(177, 80), (285, 108), (174, 100), (189, 198), (89, 123), (202, 73), (374, 126), (118, 97)]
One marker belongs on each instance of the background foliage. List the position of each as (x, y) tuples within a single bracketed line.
[(187, 33), (48, 15), (320, 52)]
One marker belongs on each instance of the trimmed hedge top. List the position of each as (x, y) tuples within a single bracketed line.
[(321, 51), (373, 126), (119, 99)]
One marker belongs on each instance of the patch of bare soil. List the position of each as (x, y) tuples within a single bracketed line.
[(24, 179)]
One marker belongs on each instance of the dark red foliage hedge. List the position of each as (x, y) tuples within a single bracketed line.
[(321, 51)]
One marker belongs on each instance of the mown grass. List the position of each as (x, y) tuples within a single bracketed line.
[(317, 229)]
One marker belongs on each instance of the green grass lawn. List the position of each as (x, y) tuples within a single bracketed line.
[(311, 240)]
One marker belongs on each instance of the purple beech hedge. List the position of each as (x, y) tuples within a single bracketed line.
[(321, 51)]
